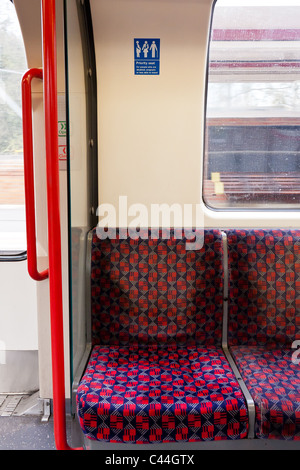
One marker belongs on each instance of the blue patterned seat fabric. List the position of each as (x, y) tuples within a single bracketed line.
[(274, 383), (160, 394), (157, 372), (264, 321), (150, 290)]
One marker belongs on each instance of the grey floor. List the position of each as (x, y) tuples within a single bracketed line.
[(26, 433), (25, 423)]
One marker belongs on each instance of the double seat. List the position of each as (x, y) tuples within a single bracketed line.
[(166, 321)]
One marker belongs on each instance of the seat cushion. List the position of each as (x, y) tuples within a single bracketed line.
[(273, 380), (156, 290), (154, 394)]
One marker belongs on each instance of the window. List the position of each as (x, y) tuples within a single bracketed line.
[(12, 67), (252, 141)]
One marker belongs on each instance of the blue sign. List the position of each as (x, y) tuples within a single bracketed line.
[(146, 56)]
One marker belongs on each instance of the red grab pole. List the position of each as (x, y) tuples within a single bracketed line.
[(54, 229), (29, 175)]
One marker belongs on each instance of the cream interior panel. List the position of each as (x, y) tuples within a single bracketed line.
[(151, 127)]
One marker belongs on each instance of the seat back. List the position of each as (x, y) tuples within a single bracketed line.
[(156, 291), (264, 287)]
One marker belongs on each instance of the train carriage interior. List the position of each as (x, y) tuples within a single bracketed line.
[(150, 225)]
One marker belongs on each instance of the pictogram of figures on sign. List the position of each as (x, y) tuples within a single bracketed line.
[(142, 50)]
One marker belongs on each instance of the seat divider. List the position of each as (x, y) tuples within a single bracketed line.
[(247, 395)]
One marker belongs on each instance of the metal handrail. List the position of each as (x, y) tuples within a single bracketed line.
[(54, 230), (29, 174)]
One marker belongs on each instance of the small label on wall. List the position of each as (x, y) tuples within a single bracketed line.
[(62, 132), (146, 56)]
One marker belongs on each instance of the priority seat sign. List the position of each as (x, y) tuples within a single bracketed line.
[(146, 56)]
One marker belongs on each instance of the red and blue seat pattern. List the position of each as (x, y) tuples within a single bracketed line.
[(157, 372), (264, 321), (147, 290), (153, 394), (273, 381)]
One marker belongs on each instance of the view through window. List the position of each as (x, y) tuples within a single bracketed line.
[(252, 145), (12, 67)]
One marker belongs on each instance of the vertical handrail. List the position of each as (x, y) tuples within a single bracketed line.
[(29, 175), (54, 229)]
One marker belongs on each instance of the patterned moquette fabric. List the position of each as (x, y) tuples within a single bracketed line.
[(147, 291), (153, 394), (264, 287), (273, 380)]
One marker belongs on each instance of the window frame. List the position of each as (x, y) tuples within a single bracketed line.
[(231, 209), (14, 256)]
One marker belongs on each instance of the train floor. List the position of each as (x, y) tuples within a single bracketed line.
[(26, 433), (26, 423)]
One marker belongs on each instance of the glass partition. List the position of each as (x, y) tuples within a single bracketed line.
[(82, 174)]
